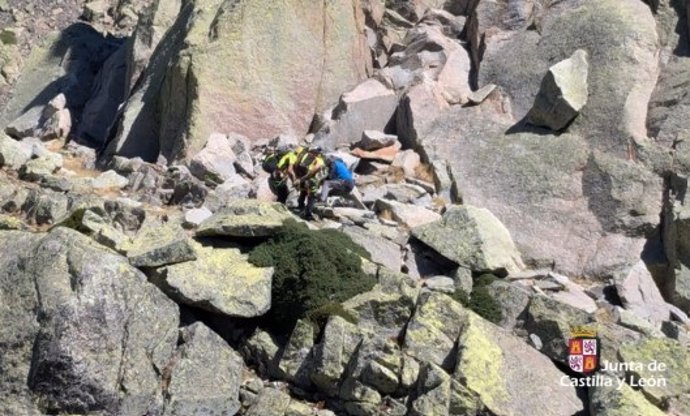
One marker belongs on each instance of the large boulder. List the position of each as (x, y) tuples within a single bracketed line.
[(621, 41), (332, 355), (387, 307), (280, 94), (619, 400), (18, 302), (639, 294), (206, 376), (96, 334), (662, 371), (473, 238), (66, 63), (586, 215), (669, 102), (382, 251), (507, 376), (369, 106), (406, 214), (159, 246), (676, 284), (562, 94), (220, 280), (433, 330), (214, 164), (13, 154), (245, 218)]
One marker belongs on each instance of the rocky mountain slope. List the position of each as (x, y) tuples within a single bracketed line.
[(521, 170)]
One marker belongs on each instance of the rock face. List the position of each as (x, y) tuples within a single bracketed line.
[(280, 95), (473, 238), (562, 94), (82, 364), (66, 64), (622, 60), (554, 208)]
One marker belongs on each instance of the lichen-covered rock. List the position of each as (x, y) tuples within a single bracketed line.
[(387, 307), (563, 93), (13, 154), (552, 321), (614, 401), (433, 390), (8, 222), (109, 179), (433, 329), (36, 169), (100, 230), (473, 238), (359, 399), (245, 218), (45, 207), (271, 402), (220, 280), (159, 246), (295, 359), (18, 299), (511, 298), (670, 385), (331, 356), (507, 375), (206, 375), (81, 364)]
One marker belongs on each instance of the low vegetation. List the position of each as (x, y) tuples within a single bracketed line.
[(314, 272), (480, 300)]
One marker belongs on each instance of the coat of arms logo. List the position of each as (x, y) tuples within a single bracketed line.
[(583, 350)]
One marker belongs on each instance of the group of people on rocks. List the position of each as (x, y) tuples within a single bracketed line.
[(315, 175)]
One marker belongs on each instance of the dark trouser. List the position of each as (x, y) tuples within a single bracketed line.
[(279, 188), (308, 191), (338, 187)]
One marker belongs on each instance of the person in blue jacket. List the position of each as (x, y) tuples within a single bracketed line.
[(339, 181)]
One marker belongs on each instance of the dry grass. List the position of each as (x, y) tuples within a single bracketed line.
[(425, 172), (396, 174)]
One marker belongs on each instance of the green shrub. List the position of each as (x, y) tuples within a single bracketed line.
[(480, 300), (8, 37), (312, 269), (461, 297), (484, 280), (485, 305)]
